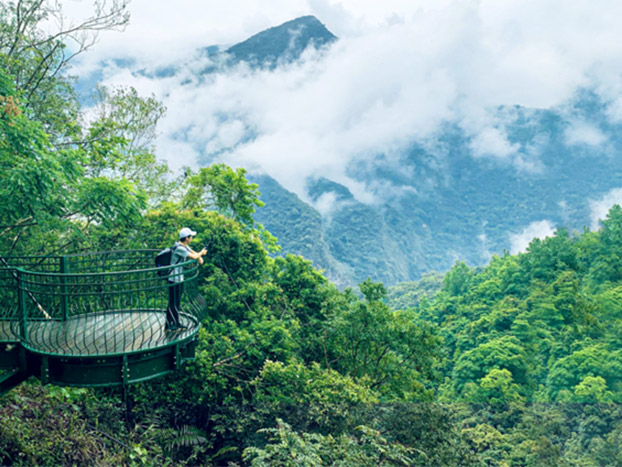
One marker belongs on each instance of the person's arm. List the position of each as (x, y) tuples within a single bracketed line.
[(194, 255)]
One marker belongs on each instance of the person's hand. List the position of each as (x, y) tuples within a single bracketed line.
[(200, 260), (203, 251)]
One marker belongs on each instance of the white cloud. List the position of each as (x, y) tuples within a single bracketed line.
[(326, 203), (485, 252), (584, 133), (493, 142), (540, 229), (599, 208), (400, 71)]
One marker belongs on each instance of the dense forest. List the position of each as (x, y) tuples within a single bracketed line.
[(518, 363)]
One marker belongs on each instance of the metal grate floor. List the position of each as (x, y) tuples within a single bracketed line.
[(106, 333)]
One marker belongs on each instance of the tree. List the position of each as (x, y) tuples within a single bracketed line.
[(582, 371), (309, 398), (606, 266), (37, 180), (36, 56), (397, 355), (497, 388), (457, 280), (545, 258), (119, 143), (592, 389), (227, 191), (53, 190), (504, 352), (367, 447)]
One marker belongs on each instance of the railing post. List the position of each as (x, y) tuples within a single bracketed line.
[(45, 369), (21, 299), (64, 300)]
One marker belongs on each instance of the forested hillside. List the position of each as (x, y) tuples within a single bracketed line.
[(516, 363), (456, 205)]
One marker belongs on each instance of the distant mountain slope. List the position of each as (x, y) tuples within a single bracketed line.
[(467, 208), (298, 227), (450, 204), (282, 43)]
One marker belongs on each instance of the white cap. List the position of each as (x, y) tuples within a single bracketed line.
[(186, 232)]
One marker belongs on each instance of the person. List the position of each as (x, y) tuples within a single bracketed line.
[(181, 252)]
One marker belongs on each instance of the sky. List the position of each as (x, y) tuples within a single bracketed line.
[(400, 71)]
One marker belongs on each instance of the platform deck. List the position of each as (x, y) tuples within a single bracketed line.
[(105, 333), (6, 335)]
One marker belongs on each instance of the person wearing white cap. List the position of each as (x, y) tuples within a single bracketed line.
[(181, 252)]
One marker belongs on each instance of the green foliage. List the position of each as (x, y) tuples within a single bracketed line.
[(503, 353), (227, 191), (592, 389), (397, 355), (61, 426), (458, 280), (588, 370), (119, 142), (56, 196), (367, 448), (311, 399), (430, 428), (410, 294), (34, 51), (37, 180), (497, 388), (529, 330)]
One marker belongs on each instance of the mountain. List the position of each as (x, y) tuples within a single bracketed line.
[(284, 43), (451, 205), (432, 204)]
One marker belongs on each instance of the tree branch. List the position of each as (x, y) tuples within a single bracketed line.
[(229, 359)]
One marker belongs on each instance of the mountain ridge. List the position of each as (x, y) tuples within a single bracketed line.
[(432, 204), (284, 42)]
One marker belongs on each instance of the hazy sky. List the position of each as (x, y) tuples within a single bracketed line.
[(162, 25), (400, 70)]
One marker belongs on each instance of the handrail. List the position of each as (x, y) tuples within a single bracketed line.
[(108, 252), (86, 274)]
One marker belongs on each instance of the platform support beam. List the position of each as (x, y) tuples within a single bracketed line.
[(23, 312), (45, 370), (177, 358), (125, 371), (64, 300)]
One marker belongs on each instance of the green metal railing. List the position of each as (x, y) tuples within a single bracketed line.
[(107, 303), (8, 305)]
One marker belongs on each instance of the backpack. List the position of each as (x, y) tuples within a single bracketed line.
[(162, 259)]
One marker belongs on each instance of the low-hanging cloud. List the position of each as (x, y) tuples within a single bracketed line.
[(583, 133), (381, 88), (600, 207), (493, 142), (539, 229)]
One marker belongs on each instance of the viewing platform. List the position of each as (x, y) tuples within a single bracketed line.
[(94, 319)]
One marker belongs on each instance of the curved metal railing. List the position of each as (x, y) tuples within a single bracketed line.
[(8, 305), (104, 303)]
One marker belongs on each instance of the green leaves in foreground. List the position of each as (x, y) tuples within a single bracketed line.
[(223, 189), (368, 448)]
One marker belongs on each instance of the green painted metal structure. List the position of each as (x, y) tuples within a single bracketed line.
[(93, 319)]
